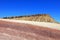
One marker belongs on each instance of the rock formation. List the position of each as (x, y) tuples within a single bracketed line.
[(38, 17), (20, 31)]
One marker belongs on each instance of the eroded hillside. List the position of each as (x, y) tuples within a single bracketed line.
[(10, 30), (38, 17)]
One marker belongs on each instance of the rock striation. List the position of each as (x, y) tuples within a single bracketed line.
[(21, 31)]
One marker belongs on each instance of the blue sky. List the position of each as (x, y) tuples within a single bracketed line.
[(28, 7)]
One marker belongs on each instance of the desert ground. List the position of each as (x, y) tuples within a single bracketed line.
[(28, 30)]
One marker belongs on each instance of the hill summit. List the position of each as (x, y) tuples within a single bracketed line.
[(37, 17)]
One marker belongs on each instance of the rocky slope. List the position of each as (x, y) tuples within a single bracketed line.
[(38, 17), (16, 30)]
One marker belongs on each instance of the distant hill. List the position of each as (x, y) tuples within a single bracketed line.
[(37, 17)]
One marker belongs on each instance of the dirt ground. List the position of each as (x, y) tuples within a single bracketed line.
[(20, 31)]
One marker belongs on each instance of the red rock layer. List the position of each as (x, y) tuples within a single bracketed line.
[(21, 31)]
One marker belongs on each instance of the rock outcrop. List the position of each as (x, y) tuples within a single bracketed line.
[(38, 17)]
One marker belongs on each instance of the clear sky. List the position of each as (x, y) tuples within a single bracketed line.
[(28, 7)]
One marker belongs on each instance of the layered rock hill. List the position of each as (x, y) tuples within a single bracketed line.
[(37, 17), (16, 30)]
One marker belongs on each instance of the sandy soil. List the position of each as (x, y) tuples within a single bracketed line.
[(44, 24), (23, 31)]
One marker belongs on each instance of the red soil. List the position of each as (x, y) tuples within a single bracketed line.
[(21, 31)]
